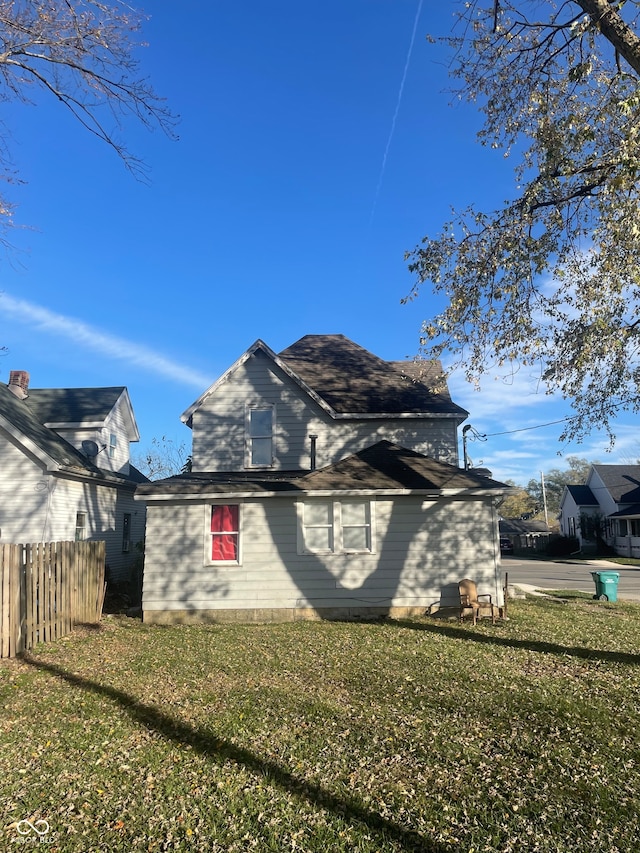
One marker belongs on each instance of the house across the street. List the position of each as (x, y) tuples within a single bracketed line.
[(606, 508), (65, 472), (325, 483)]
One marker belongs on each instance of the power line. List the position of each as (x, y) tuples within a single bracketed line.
[(525, 429)]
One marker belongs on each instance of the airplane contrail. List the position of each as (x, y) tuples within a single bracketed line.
[(397, 110), (93, 338)]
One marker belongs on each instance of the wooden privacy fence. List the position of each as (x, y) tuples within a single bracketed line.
[(46, 588)]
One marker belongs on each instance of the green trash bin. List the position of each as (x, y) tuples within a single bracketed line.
[(606, 585)]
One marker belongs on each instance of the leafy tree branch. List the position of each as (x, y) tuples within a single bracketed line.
[(549, 282), (82, 52)]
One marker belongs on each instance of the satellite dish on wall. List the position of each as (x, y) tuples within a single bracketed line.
[(89, 448)]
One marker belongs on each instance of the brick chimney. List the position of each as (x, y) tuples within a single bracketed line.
[(19, 383)]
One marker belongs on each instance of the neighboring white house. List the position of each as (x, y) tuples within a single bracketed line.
[(64, 468), (608, 505), (325, 483)]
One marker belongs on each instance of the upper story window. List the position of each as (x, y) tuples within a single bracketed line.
[(260, 431), (113, 444)]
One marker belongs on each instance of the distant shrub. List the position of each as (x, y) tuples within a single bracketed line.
[(562, 546), (602, 549)]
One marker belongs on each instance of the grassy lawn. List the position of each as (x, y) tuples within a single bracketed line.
[(394, 736)]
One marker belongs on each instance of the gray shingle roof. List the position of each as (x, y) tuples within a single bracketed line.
[(582, 495), (25, 416), (388, 466), (73, 405), (353, 380), (382, 467), (622, 481), (632, 511), (520, 527)]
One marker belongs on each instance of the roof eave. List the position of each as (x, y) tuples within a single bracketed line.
[(187, 416), (317, 493), (459, 416), (105, 478), (133, 431), (29, 445)]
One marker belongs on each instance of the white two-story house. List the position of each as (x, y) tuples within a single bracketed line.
[(65, 472), (325, 483), (606, 508)]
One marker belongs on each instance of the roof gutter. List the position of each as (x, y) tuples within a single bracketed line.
[(316, 493)]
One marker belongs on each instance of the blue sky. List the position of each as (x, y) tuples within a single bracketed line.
[(317, 144)]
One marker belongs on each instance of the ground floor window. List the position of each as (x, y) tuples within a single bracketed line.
[(335, 527), (81, 526), (225, 533)]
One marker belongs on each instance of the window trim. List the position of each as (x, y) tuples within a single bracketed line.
[(81, 516), (261, 407), (208, 508), (337, 526), (113, 445)]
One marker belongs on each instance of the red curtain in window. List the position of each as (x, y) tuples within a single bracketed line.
[(224, 530)]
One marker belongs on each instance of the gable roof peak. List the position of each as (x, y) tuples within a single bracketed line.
[(348, 381)]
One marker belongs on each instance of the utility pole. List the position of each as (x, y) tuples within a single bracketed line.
[(544, 499), (465, 430)]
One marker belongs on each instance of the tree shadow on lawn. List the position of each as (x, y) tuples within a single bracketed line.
[(530, 645), (220, 750)]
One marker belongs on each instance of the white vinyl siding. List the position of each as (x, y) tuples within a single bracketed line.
[(36, 506), (219, 425), (112, 440), (417, 562)]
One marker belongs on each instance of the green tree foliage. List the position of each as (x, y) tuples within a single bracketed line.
[(518, 503), (551, 280), (82, 53), (554, 482)]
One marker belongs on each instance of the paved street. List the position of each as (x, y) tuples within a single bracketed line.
[(555, 574)]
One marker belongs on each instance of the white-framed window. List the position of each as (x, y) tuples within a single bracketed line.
[(223, 534), (328, 526), (260, 431), (317, 527), (81, 526), (572, 526), (113, 445)]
